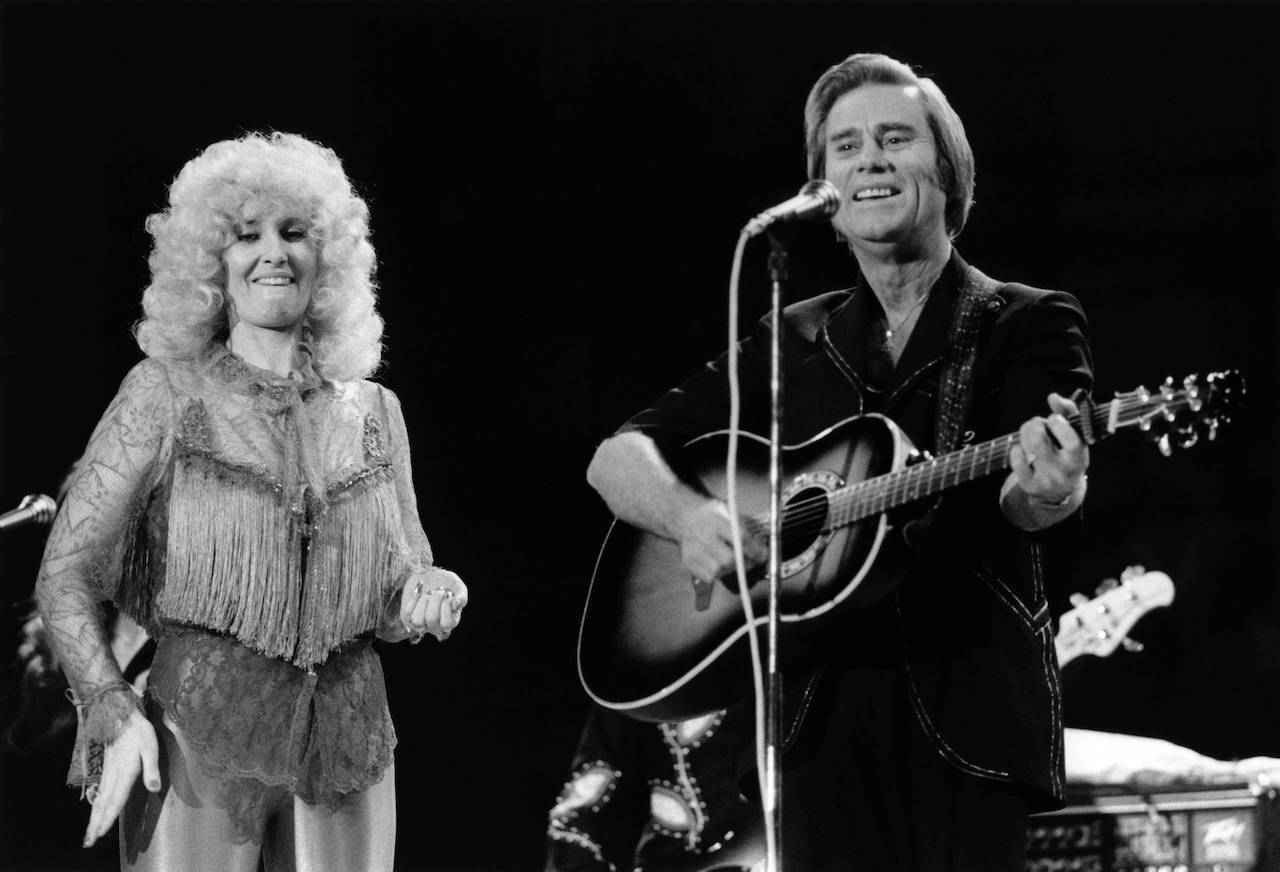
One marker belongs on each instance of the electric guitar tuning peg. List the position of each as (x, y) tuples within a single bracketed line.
[(1132, 571), (1163, 444), (1131, 644), (1105, 585)]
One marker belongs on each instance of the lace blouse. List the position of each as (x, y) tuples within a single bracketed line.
[(260, 528)]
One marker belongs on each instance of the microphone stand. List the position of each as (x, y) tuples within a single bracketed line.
[(772, 800)]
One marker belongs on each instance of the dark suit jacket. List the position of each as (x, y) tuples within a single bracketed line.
[(969, 627)]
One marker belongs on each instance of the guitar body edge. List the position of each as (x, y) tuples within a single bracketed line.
[(646, 650)]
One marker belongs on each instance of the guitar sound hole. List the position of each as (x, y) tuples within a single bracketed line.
[(802, 520)]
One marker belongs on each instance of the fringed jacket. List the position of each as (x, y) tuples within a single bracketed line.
[(259, 527)]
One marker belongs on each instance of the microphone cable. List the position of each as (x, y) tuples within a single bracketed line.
[(739, 558)]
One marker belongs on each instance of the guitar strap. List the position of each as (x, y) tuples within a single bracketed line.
[(976, 307)]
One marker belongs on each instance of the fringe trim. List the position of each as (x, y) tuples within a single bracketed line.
[(142, 565), (232, 560), (355, 556), (237, 550)]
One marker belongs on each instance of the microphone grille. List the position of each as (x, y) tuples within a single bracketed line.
[(825, 193), (46, 507)]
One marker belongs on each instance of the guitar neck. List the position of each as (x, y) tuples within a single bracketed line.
[(937, 474)]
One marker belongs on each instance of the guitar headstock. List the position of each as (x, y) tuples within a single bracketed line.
[(1177, 415), (1100, 625)]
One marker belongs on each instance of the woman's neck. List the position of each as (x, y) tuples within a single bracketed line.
[(274, 350)]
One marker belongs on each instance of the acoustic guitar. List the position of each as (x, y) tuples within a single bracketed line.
[(656, 646)]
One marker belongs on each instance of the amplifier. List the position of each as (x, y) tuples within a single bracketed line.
[(1229, 829)]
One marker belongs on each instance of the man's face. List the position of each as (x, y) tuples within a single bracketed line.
[(882, 158)]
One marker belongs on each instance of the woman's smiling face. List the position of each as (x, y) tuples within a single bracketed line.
[(271, 268)]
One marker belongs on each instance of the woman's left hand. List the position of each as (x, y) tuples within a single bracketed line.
[(432, 602)]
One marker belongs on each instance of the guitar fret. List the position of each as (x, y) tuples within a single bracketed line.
[(890, 490)]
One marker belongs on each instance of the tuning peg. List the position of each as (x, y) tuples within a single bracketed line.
[(1193, 393), (1166, 388), (1105, 585), (1213, 428), (1132, 571), (1078, 600), (1132, 645), (1163, 444), (1143, 394), (1189, 438)]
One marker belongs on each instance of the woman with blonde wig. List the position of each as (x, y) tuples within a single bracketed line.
[(247, 498)]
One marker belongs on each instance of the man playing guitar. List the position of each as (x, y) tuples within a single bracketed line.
[(938, 726)]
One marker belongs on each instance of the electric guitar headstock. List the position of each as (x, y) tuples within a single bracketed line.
[(1100, 625), (1174, 415)]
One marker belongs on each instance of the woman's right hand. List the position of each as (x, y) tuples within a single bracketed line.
[(134, 750)]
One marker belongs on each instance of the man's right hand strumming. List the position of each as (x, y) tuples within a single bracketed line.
[(640, 488)]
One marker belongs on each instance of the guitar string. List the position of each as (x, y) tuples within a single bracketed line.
[(895, 488), (896, 483), (869, 497), (905, 485)]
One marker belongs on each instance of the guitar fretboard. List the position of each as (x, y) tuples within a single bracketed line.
[(927, 478)]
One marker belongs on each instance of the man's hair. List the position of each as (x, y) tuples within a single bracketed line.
[(955, 157), (185, 306)]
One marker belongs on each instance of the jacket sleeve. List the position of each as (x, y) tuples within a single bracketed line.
[(1048, 351), (701, 403)]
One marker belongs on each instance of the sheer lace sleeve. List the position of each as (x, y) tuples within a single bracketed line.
[(82, 559), (419, 548)]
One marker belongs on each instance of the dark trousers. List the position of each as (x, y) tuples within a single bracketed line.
[(865, 791)]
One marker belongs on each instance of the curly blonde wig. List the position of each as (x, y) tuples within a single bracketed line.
[(185, 307)]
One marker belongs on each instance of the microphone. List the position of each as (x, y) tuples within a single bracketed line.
[(817, 199), (34, 509)]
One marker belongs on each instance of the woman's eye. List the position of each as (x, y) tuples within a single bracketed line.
[(247, 236), (296, 234)]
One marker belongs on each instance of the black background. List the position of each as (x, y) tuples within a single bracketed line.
[(555, 192)]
